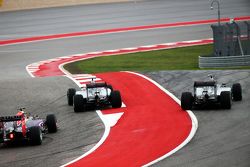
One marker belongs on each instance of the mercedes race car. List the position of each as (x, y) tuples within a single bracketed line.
[(210, 92), (23, 126), (94, 95)]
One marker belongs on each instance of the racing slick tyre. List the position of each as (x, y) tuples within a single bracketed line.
[(78, 103), (186, 100), (225, 99), (35, 135), (70, 94), (236, 92), (1, 135), (51, 123), (115, 98)]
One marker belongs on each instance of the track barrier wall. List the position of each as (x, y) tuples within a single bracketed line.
[(231, 46), (224, 61)]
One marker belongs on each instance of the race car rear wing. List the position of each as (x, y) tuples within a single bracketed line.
[(10, 118), (96, 85)]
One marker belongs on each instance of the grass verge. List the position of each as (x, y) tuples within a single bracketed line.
[(170, 59)]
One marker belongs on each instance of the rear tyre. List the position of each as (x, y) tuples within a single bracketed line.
[(35, 135), (115, 98), (78, 103), (225, 99), (70, 94), (51, 123), (237, 92), (186, 100), (1, 134)]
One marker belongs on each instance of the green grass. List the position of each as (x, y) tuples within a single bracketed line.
[(170, 59)]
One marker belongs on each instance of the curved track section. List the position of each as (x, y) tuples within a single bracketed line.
[(53, 67), (144, 100), (223, 135), (147, 130), (223, 138)]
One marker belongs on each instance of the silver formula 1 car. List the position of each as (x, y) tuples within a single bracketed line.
[(94, 95), (211, 92), (24, 126)]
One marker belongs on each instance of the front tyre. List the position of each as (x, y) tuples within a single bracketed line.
[(186, 100), (51, 123)]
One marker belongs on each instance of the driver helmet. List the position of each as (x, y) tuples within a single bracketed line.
[(22, 113)]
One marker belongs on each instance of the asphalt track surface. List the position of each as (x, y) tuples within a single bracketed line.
[(223, 136), (105, 16)]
